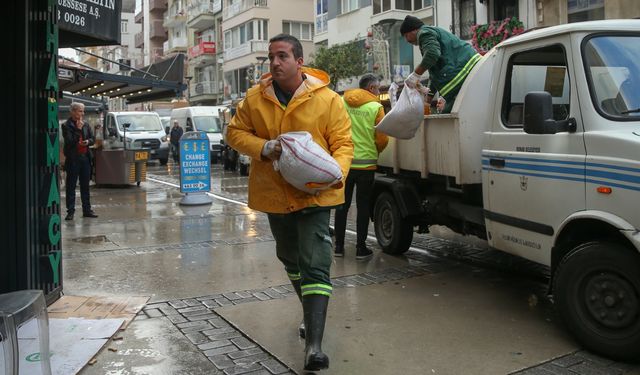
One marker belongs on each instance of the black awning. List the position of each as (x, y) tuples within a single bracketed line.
[(91, 83)]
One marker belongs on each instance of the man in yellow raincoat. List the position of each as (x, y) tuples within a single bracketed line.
[(295, 98)]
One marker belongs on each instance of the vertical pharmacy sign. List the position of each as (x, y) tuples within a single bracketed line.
[(50, 165), (195, 163)]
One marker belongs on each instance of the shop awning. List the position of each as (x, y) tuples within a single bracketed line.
[(158, 81)]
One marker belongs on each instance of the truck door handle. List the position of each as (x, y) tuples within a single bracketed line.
[(498, 163)]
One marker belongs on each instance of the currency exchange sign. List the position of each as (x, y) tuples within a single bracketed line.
[(195, 163)]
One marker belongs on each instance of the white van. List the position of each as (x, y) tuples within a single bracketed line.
[(205, 119), (144, 131)]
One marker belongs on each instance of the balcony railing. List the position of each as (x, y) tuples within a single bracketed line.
[(204, 7), (242, 6), (245, 49), (139, 16), (321, 23), (202, 48), (175, 43), (203, 88)]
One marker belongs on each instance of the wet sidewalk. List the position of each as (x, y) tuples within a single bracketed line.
[(220, 302)]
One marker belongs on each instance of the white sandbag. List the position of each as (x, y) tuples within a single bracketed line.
[(405, 117), (306, 165)]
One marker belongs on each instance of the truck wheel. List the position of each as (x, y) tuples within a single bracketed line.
[(394, 233), (244, 170), (597, 294), (164, 161)]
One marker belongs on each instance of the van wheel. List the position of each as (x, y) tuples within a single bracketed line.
[(394, 234), (163, 161), (597, 294)]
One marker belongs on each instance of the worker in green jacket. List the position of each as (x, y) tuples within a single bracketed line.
[(447, 58), (365, 111)]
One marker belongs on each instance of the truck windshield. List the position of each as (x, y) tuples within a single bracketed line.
[(209, 124), (613, 66), (140, 123)]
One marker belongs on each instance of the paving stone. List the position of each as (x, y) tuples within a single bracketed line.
[(237, 370), (556, 370), (211, 296), (176, 319), (177, 304), (191, 309), (210, 304), (246, 361), (190, 324), (201, 317), (214, 344), (221, 361), (142, 317), (245, 300), (243, 294), (201, 327), (280, 290), (217, 331), (223, 302), (243, 343), (191, 302), (592, 368), (274, 366), (168, 310), (594, 358), (220, 350), (273, 294), (197, 338), (245, 353), (261, 296), (362, 280), (153, 313), (156, 306), (567, 360), (227, 335), (259, 372), (218, 322), (534, 371), (231, 296)]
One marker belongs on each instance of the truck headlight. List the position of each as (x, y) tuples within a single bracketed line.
[(164, 138)]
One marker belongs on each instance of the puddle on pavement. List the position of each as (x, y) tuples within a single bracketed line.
[(91, 239)]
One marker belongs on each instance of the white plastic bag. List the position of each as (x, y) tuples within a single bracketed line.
[(405, 117), (306, 165)]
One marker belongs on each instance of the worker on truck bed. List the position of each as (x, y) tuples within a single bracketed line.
[(447, 58)]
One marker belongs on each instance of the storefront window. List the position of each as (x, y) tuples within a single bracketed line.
[(464, 16)]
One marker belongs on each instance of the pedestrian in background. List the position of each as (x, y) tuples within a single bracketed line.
[(299, 221), (447, 58), (78, 137), (365, 111), (174, 140)]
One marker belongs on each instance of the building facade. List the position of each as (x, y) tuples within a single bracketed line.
[(247, 26), (151, 39)]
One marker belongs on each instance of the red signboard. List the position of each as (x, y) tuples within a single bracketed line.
[(202, 48)]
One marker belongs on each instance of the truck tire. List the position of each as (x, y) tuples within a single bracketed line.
[(163, 161), (597, 294), (394, 234)]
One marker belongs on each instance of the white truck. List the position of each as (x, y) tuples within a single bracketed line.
[(540, 156)]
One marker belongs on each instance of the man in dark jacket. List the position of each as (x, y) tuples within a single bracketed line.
[(174, 139), (77, 139), (447, 58)]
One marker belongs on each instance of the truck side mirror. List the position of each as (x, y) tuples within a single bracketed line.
[(538, 115)]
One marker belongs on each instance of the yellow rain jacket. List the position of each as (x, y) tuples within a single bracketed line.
[(260, 117)]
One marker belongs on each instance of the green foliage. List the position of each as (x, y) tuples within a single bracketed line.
[(340, 61)]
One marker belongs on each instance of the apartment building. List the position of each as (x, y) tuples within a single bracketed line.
[(151, 39), (247, 26), (375, 24), (125, 52), (175, 23), (204, 22)]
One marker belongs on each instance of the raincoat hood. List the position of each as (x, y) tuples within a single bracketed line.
[(358, 97), (315, 79)]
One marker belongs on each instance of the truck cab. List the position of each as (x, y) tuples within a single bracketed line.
[(540, 158), (137, 130)]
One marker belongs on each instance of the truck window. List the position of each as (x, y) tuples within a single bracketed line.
[(542, 69), (612, 63), (140, 122)]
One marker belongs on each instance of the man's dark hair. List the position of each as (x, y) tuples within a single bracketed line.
[(367, 80), (295, 43)]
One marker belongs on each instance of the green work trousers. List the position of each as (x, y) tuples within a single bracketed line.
[(303, 245)]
